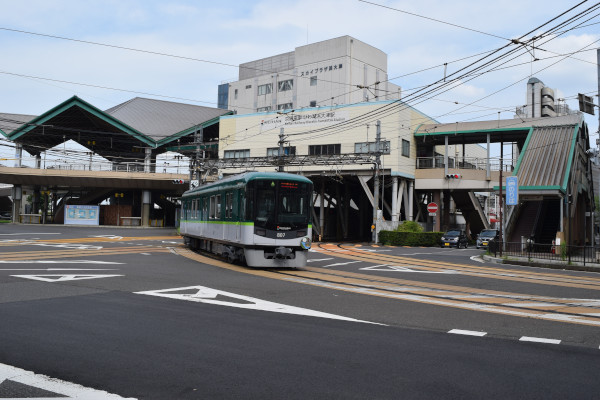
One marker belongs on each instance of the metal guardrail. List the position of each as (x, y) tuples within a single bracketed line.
[(539, 251), (461, 162), (158, 167)]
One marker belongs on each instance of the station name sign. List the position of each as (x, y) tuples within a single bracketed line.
[(322, 118)]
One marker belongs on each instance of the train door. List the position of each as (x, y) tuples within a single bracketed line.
[(234, 214)]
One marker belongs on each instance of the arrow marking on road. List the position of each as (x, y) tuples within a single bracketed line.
[(16, 383), (62, 277), (202, 294)]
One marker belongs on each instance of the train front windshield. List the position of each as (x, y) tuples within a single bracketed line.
[(280, 205)]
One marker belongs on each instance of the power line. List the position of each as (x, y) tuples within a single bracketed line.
[(433, 19)]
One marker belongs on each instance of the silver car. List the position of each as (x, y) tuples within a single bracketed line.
[(485, 236)]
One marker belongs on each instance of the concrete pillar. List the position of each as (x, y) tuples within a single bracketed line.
[(411, 196), (18, 154), (148, 160), (146, 208), (322, 211), (38, 161), (488, 173), (437, 226), (445, 155), (446, 210), (395, 198), (17, 197)]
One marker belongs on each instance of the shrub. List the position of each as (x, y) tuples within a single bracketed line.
[(425, 239), (409, 226)]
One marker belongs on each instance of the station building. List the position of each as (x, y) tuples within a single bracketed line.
[(317, 74)]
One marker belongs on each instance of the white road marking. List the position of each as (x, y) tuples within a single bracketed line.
[(338, 264), (407, 268), (539, 340), (477, 258), (60, 245), (62, 278), (202, 294), (468, 333), (373, 250), (320, 259), (115, 237), (63, 389), (57, 262), (146, 254)]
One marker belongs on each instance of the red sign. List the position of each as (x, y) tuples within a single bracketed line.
[(432, 207)]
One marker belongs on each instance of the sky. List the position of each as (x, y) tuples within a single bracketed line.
[(201, 43)]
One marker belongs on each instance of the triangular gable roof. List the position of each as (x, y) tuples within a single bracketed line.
[(165, 121), (77, 102), (10, 122)]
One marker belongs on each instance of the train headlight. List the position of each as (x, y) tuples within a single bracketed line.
[(305, 243)]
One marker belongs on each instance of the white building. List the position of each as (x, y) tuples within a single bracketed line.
[(324, 100), (343, 70)]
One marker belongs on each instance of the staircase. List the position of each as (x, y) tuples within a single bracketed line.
[(526, 221)]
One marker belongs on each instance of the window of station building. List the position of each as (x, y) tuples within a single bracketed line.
[(324, 149), (265, 89), (237, 153), (370, 147), (285, 85), (405, 148), (235, 93), (313, 103), (313, 81), (287, 151), (263, 109), (285, 106), (248, 86)]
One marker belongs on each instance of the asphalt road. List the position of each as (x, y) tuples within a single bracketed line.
[(131, 313)]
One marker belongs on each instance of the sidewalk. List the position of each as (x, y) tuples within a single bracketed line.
[(543, 263)]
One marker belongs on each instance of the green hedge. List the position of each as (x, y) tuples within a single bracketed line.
[(426, 239)]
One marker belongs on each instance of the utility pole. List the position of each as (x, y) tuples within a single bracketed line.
[(198, 139), (500, 209), (280, 154), (376, 182)]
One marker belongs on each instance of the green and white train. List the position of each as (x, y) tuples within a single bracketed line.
[(260, 218)]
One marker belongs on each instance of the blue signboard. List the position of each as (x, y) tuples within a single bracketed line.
[(82, 215), (512, 191)]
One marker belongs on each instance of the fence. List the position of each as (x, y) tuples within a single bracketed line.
[(540, 251), (96, 165), (462, 163)]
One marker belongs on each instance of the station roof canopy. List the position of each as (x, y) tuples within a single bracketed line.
[(121, 132), (508, 130)]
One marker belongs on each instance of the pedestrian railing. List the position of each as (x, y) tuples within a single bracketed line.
[(542, 251)]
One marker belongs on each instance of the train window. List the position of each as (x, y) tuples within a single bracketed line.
[(228, 205), (213, 208), (204, 209), (218, 201)]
